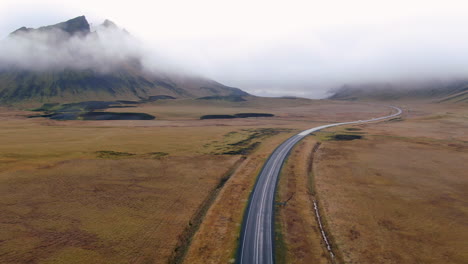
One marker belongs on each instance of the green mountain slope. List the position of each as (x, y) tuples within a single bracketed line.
[(83, 85)]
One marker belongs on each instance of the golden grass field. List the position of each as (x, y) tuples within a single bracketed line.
[(217, 238), (128, 191), (65, 202), (399, 195), (134, 191)]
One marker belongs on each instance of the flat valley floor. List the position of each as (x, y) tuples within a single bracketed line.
[(136, 191)]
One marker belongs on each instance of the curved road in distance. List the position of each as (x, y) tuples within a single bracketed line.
[(256, 240)]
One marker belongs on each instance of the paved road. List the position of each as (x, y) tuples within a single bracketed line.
[(256, 241)]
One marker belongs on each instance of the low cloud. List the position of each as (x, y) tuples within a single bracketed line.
[(104, 49), (270, 57), (311, 63)]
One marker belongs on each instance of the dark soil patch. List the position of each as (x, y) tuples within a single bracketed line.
[(352, 129), (244, 150), (345, 137), (115, 116), (217, 117), (109, 154), (157, 155), (249, 144), (86, 110), (240, 115), (245, 115), (97, 116)]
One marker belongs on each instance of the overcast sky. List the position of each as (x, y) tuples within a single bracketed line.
[(280, 47)]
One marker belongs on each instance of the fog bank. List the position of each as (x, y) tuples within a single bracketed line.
[(275, 48), (106, 48)]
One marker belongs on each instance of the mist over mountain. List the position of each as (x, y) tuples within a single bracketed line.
[(72, 61), (69, 44)]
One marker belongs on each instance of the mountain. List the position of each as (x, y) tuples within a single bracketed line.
[(78, 25), (70, 62), (435, 91)]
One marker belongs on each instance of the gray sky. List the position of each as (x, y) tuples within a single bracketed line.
[(280, 47)]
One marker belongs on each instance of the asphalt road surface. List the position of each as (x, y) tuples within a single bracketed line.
[(257, 235)]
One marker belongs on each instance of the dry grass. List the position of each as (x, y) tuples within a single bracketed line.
[(107, 211), (217, 239), (73, 193), (124, 191), (399, 195), (299, 228), (286, 111)]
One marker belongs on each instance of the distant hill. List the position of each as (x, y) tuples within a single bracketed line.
[(84, 65), (435, 91)]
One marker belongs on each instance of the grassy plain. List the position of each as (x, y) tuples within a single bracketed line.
[(127, 191), (398, 195), (217, 238), (97, 194)]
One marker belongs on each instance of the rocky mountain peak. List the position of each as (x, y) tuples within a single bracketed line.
[(77, 25), (72, 26)]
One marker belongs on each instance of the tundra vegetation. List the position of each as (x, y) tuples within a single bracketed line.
[(130, 191), (174, 188), (394, 196)]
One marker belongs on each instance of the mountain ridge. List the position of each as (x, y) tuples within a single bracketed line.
[(72, 26), (109, 73)]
